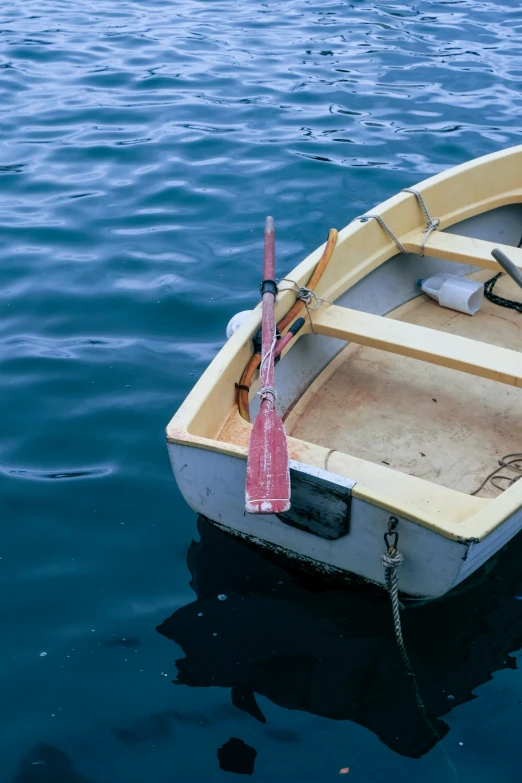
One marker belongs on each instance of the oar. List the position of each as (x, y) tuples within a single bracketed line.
[(267, 489), (507, 265), (289, 336)]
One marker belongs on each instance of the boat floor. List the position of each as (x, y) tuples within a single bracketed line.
[(445, 426)]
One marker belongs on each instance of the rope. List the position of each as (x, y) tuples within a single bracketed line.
[(380, 221), (499, 300), (391, 560), (268, 392), (419, 198), (432, 224), (332, 451), (307, 296), (510, 461)]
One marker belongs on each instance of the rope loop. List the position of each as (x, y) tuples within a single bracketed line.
[(499, 300), (419, 198), (308, 297), (392, 558), (380, 221), (432, 224), (268, 393)]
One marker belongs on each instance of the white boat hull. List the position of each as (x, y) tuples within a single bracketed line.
[(213, 485)]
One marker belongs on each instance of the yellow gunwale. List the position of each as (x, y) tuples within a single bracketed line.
[(208, 418)]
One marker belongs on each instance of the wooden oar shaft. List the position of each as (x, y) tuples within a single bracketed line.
[(267, 363), (269, 257), (268, 320)]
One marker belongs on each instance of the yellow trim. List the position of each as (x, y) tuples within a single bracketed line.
[(435, 507), (208, 418)]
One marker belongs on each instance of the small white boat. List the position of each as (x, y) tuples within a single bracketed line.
[(394, 406)]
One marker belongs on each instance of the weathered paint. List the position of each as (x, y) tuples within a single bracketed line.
[(321, 502), (212, 484), (267, 487)]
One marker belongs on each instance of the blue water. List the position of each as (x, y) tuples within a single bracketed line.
[(141, 146)]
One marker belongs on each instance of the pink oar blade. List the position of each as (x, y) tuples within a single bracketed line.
[(268, 481)]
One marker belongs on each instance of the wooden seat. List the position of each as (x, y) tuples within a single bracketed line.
[(464, 250), (418, 342)]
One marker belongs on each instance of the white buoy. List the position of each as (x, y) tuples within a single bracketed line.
[(454, 292), (236, 321)]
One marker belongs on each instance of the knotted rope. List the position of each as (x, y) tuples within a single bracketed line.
[(308, 297), (267, 392), (391, 560)]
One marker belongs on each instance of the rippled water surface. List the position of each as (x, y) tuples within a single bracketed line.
[(141, 146)]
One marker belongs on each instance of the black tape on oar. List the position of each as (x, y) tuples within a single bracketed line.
[(297, 325), (268, 286)]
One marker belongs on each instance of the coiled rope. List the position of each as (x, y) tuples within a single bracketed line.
[(499, 300), (511, 462)]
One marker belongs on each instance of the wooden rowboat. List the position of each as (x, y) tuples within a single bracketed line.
[(393, 406)]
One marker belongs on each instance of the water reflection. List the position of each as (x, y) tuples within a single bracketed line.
[(329, 650)]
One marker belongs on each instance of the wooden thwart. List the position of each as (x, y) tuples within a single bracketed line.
[(465, 250), (417, 342)]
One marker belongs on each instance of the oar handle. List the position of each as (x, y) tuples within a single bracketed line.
[(269, 259), (507, 265), (283, 342)]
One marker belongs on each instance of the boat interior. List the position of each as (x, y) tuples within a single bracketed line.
[(415, 402), (441, 417)]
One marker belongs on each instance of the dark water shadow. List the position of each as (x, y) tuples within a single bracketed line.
[(46, 764), (329, 650)]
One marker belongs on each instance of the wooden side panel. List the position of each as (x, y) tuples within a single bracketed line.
[(320, 504), (429, 345)]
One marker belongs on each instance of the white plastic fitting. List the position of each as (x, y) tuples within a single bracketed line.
[(454, 292)]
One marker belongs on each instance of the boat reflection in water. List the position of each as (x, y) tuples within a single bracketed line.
[(310, 645)]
